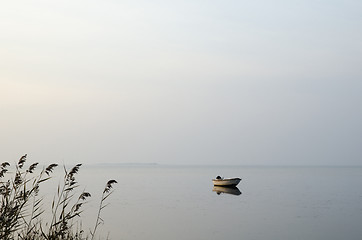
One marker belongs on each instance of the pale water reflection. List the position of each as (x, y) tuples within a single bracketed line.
[(228, 190), (179, 203)]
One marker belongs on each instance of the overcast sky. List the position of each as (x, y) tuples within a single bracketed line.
[(182, 82)]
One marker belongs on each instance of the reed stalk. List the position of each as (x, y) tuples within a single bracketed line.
[(22, 210)]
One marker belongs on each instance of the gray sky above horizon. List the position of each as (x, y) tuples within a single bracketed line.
[(182, 82)]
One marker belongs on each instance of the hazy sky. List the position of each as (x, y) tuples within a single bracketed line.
[(190, 82)]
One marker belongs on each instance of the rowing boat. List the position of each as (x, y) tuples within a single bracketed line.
[(226, 181)]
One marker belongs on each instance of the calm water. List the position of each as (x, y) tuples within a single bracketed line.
[(178, 203)]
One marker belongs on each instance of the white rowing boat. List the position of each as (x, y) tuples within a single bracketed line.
[(226, 181)]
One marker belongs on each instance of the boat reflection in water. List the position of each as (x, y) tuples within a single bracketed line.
[(227, 190)]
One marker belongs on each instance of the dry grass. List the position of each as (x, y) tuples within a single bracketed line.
[(22, 210)]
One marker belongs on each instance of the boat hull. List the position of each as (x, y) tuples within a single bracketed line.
[(231, 182)]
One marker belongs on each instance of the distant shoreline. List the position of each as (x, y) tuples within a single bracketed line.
[(140, 164), (122, 164)]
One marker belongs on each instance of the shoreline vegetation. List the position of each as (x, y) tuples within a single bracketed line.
[(22, 209)]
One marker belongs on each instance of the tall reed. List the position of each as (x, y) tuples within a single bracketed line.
[(22, 211)]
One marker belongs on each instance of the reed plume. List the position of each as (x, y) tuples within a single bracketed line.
[(22, 210)]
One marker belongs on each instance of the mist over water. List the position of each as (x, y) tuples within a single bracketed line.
[(170, 202), (182, 82), (191, 82)]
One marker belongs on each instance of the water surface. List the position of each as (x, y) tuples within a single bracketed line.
[(168, 202)]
